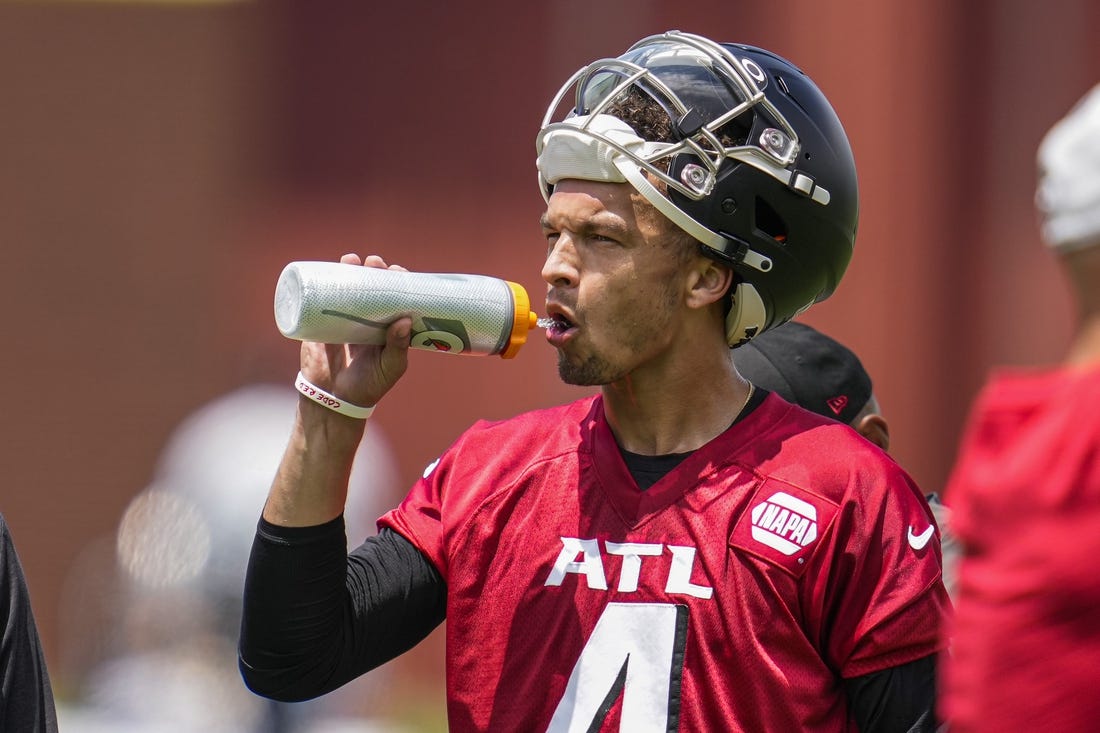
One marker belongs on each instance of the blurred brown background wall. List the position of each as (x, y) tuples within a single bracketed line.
[(162, 161)]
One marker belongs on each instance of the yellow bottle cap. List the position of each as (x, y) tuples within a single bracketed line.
[(523, 320)]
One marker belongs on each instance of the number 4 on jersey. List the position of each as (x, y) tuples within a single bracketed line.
[(637, 651)]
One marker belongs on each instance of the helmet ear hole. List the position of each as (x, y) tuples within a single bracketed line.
[(769, 222)]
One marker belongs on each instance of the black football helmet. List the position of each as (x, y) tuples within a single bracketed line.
[(752, 161)]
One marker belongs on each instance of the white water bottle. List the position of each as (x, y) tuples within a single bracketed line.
[(336, 303)]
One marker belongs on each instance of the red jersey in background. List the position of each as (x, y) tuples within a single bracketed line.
[(1026, 498)]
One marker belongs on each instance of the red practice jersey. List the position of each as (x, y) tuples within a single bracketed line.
[(1026, 497), (732, 595)]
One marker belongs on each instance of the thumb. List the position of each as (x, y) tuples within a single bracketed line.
[(395, 356)]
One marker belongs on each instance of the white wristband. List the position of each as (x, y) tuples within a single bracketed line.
[(332, 402)]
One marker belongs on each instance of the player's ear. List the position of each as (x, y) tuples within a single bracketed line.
[(708, 283), (875, 429)]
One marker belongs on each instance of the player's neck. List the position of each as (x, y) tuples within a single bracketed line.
[(674, 413)]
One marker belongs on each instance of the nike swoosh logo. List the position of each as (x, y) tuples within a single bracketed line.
[(918, 541)]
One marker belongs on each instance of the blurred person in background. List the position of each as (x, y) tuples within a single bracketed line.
[(166, 656), (26, 697), (809, 369), (815, 371), (1025, 491)]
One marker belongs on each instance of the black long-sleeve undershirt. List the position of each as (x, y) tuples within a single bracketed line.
[(316, 617), (26, 695)]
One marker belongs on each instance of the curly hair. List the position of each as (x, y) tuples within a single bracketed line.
[(644, 115), (652, 122)]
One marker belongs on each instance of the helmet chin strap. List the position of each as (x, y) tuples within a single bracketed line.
[(677, 216), (634, 175), (747, 315)]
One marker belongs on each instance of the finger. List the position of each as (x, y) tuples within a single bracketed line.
[(395, 357), (374, 261), (399, 334), (350, 259)]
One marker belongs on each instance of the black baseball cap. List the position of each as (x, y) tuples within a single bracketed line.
[(806, 367)]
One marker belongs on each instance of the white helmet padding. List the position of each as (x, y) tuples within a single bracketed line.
[(585, 147), (747, 316)]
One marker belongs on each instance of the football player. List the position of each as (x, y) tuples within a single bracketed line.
[(681, 551), (1025, 489)]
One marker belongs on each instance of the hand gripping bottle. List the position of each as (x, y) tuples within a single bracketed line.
[(336, 303)]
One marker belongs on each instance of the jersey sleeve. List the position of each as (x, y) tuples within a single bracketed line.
[(486, 458), (875, 585), (419, 517)]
